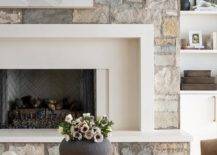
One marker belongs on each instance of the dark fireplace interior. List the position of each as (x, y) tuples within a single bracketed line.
[(42, 98)]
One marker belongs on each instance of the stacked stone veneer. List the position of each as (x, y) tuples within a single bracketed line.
[(164, 14)]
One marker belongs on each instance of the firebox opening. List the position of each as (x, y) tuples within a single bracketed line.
[(42, 98)]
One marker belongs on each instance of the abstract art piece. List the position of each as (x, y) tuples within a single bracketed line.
[(46, 3)]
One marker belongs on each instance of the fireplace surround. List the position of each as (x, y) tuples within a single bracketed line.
[(123, 59), (122, 55)]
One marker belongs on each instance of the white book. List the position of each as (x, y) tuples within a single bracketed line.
[(215, 40)]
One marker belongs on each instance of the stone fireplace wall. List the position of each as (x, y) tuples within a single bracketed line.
[(164, 14)]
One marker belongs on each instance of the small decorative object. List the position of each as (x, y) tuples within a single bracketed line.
[(185, 5), (195, 39), (85, 135), (208, 5), (184, 43), (36, 102), (209, 42)]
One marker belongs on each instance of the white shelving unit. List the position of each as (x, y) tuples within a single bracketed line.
[(205, 21), (187, 13), (198, 51), (207, 92), (197, 107)]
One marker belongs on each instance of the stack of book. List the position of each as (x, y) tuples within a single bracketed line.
[(198, 80)]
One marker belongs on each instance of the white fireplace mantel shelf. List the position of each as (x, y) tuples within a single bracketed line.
[(46, 4), (51, 136)]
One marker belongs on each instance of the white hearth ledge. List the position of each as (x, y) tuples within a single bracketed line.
[(51, 136)]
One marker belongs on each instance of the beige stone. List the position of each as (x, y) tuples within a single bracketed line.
[(170, 27), (164, 41), (27, 149), (99, 14), (53, 150), (165, 60), (10, 16), (166, 120), (167, 80)]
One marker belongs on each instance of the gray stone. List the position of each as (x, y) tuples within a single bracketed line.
[(99, 14), (47, 16), (167, 80), (52, 149), (163, 4), (165, 49), (135, 1), (8, 16), (166, 105), (27, 149)]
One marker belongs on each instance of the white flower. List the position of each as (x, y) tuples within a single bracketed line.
[(69, 118), (67, 138), (84, 128), (86, 115), (77, 135), (98, 138), (80, 119), (96, 130), (88, 135), (60, 130)]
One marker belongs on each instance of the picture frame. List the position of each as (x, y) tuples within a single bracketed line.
[(195, 39)]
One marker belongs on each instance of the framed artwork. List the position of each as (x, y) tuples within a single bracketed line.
[(46, 3), (195, 39)]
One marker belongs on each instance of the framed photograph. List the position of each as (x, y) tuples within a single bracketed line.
[(195, 39), (46, 3)]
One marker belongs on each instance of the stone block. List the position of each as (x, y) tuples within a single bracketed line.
[(27, 149), (166, 49), (8, 16), (165, 41), (165, 59), (98, 15), (52, 149), (166, 120), (170, 27), (167, 80), (2, 148), (47, 16), (163, 4), (167, 105), (135, 1)]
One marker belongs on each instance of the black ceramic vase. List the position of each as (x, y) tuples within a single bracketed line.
[(85, 148), (185, 5)]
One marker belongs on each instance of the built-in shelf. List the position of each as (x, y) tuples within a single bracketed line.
[(198, 12), (198, 51), (199, 92)]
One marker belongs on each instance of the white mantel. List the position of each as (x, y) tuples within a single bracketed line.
[(52, 46), (46, 3), (51, 136)]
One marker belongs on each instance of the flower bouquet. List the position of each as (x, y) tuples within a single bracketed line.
[(85, 135)]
